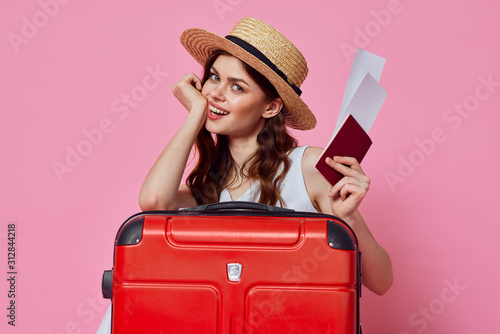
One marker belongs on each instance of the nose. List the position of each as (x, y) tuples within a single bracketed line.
[(217, 93)]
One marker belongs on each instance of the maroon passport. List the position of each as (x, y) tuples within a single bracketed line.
[(350, 141)]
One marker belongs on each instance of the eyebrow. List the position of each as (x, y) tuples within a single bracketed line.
[(230, 79)]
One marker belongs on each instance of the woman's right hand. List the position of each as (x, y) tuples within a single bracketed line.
[(188, 92)]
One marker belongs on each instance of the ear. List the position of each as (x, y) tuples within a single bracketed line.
[(273, 108)]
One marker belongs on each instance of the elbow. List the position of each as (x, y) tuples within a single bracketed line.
[(384, 278), (384, 282), (380, 280), (384, 286), (148, 203), (153, 202)]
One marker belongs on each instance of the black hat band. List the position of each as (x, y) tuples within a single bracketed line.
[(259, 55)]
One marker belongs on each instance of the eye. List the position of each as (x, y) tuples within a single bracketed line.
[(214, 77), (237, 88)]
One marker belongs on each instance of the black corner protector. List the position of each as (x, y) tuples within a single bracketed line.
[(131, 232), (339, 236), (107, 284)]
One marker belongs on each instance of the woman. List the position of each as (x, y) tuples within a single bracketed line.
[(247, 96)]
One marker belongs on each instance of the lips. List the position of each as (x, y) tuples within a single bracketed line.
[(215, 112)]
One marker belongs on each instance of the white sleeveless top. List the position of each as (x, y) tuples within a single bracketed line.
[(293, 188)]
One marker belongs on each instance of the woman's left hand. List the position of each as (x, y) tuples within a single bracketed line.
[(343, 200), (347, 194)]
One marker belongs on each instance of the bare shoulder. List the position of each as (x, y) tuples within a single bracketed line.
[(311, 154), (316, 184)]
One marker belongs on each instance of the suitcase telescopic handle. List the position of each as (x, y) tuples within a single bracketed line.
[(237, 205)]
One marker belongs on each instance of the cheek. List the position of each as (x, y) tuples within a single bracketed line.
[(205, 90), (254, 109)]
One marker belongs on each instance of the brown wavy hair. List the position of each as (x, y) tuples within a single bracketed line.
[(215, 163)]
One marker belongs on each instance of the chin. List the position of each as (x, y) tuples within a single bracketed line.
[(212, 129)]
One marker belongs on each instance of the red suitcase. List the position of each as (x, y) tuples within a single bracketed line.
[(235, 267)]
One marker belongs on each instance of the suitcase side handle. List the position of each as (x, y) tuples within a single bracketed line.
[(237, 205)]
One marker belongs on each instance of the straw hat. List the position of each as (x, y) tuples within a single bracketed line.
[(266, 50)]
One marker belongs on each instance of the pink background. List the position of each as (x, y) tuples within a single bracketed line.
[(67, 65)]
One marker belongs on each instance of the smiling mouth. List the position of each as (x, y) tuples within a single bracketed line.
[(216, 111)]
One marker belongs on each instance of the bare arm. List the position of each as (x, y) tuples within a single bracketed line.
[(162, 189), (343, 200)]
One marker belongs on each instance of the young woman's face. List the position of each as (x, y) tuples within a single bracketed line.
[(236, 104)]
